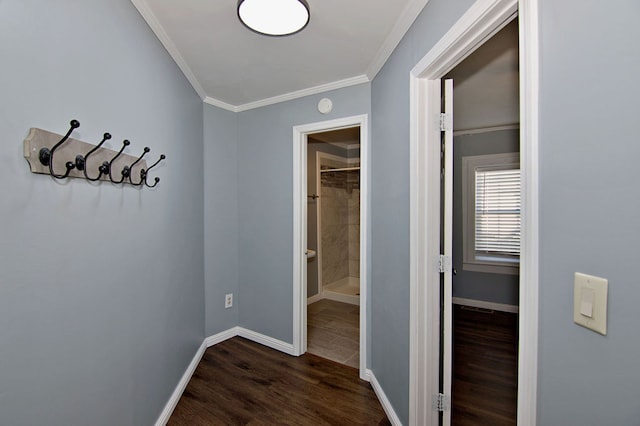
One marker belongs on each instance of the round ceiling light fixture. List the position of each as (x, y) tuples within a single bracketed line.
[(274, 17)]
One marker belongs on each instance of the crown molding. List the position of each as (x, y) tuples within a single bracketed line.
[(220, 104), (340, 84), (407, 17), (159, 31)]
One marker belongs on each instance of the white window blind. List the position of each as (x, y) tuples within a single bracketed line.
[(497, 212)]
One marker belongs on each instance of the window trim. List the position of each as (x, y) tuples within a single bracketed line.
[(471, 261)]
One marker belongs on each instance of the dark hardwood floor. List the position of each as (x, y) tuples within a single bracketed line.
[(239, 382), (485, 367)]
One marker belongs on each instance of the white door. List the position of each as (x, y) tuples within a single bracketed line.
[(446, 258)]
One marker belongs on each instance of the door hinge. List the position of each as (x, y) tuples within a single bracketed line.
[(446, 122), (440, 402), (444, 263)]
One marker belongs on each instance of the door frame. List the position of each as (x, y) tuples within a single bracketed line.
[(483, 19), (300, 229)]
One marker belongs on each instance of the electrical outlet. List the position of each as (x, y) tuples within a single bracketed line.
[(228, 300)]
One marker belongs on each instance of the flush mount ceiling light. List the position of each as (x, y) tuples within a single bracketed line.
[(274, 17)]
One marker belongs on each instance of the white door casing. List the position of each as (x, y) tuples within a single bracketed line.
[(300, 229), (447, 252)]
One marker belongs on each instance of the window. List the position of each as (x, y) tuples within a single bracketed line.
[(491, 213)]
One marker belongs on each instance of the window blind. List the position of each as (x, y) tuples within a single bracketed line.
[(497, 212)]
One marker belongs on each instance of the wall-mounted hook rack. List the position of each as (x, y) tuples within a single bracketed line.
[(50, 153)]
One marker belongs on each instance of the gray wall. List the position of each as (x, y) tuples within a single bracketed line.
[(589, 203), (221, 217), (390, 201), (101, 286), (265, 204), (498, 288)]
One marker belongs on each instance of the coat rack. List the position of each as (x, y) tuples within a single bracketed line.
[(50, 153)]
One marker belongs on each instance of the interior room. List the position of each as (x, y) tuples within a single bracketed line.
[(113, 294), (485, 296)]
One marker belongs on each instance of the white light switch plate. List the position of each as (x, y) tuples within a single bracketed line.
[(590, 296)]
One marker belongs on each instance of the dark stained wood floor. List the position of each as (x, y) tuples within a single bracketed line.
[(485, 367), (239, 382)]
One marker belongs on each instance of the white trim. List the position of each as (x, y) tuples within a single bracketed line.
[(180, 387), (319, 222), (265, 340), (529, 262), (166, 41), (402, 25), (221, 337), (217, 103), (384, 401), (483, 19), (502, 307), (486, 130), (424, 243), (339, 297), (477, 24), (254, 336), (447, 243), (313, 299), (340, 84), (300, 223)]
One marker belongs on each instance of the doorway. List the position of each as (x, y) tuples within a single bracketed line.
[(485, 232), (301, 137), (479, 23), (333, 241)]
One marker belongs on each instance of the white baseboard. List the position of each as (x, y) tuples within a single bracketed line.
[(314, 299), (221, 337), (339, 297), (182, 384), (485, 305), (276, 344), (386, 404)]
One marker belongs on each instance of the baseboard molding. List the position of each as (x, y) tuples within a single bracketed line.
[(276, 344), (485, 305), (182, 384), (339, 297), (314, 299), (382, 397), (221, 337)]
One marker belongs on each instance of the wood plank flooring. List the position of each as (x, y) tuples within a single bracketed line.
[(485, 367), (239, 382)]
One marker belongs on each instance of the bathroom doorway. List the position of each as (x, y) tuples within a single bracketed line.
[(333, 216), (342, 163), (333, 242)]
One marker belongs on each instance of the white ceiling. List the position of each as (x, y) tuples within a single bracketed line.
[(345, 43)]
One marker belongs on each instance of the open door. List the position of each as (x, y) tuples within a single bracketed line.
[(446, 127)]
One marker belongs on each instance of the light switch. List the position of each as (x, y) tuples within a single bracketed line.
[(590, 302), (586, 302)]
